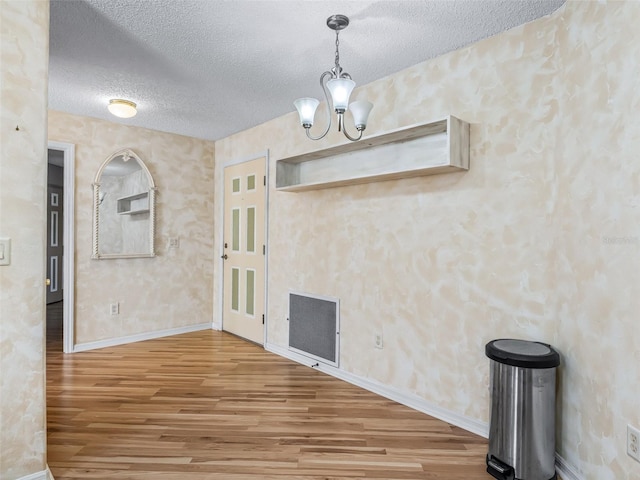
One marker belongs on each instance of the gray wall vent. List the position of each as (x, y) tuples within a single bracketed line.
[(314, 326)]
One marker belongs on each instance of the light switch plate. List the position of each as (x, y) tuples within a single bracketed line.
[(5, 251)]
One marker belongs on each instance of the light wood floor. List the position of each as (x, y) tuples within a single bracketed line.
[(208, 405)]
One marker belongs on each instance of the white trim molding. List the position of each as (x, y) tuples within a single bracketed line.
[(566, 470), (563, 468), (266, 246), (139, 337), (43, 475), (248, 158), (410, 400)]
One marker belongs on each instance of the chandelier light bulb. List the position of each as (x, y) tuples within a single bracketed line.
[(340, 89), (360, 110), (307, 110)]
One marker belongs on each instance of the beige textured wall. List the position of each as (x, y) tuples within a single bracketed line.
[(539, 240), (172, 290), (24, 30)]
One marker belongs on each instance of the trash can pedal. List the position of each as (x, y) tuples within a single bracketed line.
[(499, 470)]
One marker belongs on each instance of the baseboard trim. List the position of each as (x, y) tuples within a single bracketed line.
[(410, 400), (566, 470), (43, 475), (112, 342)]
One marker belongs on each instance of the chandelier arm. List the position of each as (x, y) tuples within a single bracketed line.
[(326, 96), (342, 126)]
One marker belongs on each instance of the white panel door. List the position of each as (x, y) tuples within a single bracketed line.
[(244, 246)]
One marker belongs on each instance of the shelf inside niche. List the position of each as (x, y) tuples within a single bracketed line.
[(134, 204), (425, 149)]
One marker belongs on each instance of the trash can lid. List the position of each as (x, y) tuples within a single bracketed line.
[(522, 353)]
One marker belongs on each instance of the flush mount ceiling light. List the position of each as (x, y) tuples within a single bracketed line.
[(340, 85), (122, 108)]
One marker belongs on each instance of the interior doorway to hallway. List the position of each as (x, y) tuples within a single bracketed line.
[(60, 245), (55, 248)]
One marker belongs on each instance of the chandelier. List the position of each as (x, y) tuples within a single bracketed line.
[(340, 85)]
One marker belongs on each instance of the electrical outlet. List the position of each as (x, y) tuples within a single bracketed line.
[(174, 242), (114, 308), (377, 340), (633, 442)]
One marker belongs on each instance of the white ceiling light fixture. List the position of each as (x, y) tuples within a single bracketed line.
[(340, 85), (122, 108)]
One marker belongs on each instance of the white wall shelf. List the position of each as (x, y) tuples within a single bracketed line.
[(134, 204), (425, 149)]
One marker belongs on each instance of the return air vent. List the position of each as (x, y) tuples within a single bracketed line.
[(314, 326)]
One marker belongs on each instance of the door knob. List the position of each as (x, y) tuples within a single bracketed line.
[(225, 256), (47, 282)]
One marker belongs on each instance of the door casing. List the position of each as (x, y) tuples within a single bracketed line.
[(68, 227)]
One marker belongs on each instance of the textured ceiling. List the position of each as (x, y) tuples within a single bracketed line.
[(210, 68)]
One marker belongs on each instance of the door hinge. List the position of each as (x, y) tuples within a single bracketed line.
[(264, 249), (263, 318), (264, 180)]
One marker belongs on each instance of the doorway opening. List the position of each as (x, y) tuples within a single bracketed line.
[(55, 248), (60, 247)]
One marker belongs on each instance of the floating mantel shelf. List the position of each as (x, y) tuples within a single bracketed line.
[(134, 204), (426, 149)]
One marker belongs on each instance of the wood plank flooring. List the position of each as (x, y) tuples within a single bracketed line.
[(209, 406)]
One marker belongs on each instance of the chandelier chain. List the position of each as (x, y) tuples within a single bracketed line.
[(337, 56)]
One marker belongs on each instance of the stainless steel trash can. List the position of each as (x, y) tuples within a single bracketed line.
[(523, 398)]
